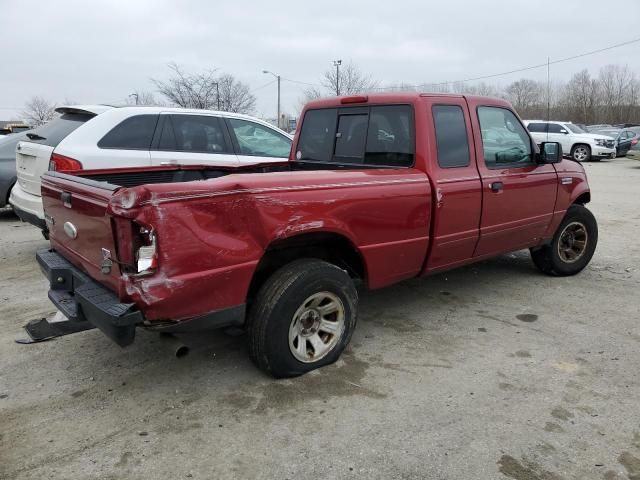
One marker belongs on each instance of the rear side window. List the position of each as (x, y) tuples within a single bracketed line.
[(193, 133), (133, 133), (372, 136), (256, 139), (57, 129), (451, 136)]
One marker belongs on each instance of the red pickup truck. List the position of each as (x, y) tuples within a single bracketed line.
[(377, 189)]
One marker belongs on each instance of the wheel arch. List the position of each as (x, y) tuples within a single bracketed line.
[(332, 247), (582, 199)]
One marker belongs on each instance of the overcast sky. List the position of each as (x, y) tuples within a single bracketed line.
[(100, 52)]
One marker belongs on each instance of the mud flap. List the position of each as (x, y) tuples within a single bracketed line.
[(41, 329)]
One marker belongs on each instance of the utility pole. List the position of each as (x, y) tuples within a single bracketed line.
[(218, 95), (278, 79), (337, 63)]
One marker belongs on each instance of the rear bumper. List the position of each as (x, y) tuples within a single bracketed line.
[(27, 206), (81, 298)]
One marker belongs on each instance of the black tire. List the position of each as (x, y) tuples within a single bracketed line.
[(581, 152), (552, 259), (280, 298)]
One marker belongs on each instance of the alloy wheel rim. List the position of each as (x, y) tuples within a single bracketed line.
[(580, 153), (573, 242), (316, 327)]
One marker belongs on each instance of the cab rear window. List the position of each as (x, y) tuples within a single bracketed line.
[(381, 136)]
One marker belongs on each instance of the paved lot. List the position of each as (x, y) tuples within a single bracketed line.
[(487, 372)]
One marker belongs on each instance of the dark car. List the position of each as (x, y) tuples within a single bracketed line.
[(8, 164), (624, 138)]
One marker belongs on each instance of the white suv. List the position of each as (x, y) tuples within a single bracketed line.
[(102, 137), (581, 145)]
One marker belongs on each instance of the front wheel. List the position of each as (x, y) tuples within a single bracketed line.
[(581, 153), (573, 244), (302, 319)]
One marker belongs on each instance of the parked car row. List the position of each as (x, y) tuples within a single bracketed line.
[(90, 137)]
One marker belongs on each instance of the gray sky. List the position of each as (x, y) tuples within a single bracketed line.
[(99, 52)]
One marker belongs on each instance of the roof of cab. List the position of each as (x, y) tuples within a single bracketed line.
[(393, 97)]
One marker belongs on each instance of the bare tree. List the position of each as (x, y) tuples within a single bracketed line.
[(206, 90), (581, 97), (350, 80), (38, 111), (235, 96), (525, 94), (189, 90)]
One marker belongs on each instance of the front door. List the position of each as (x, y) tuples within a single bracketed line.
[(518, 195)]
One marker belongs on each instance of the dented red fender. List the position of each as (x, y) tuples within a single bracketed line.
[(209, 241)]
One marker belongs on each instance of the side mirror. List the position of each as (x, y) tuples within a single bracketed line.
[(550, 152), (564, 131)]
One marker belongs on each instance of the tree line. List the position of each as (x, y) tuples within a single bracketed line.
[(612, 96)]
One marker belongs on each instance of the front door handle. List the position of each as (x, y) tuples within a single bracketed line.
[(496, 186)]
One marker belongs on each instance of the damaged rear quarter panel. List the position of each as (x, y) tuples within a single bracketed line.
[(212, 234)]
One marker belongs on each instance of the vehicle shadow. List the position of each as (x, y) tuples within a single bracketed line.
[(7, 214), (224, 351)]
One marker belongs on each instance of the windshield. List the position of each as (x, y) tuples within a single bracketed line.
[(574, 128)]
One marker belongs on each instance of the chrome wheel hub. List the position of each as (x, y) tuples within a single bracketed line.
[(316, 327)]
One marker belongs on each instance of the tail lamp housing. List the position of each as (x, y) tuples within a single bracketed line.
[(61, 163), (147, 252)]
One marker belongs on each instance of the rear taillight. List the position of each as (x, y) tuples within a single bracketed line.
[(634, 141), (60, 163), (146, 255)]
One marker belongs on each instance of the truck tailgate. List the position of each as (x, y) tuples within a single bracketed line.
[(79, 224)]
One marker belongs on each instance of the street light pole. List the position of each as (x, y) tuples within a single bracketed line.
[(337, 63), (278, 79)]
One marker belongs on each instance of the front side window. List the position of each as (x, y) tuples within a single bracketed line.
[(451, 136), (193, 133), (537, 127), (256, 139), (504, 140), (133, 133), (372, 136)]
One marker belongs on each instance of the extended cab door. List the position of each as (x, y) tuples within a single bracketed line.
[(518, 195), (458, 192), (188, 139)]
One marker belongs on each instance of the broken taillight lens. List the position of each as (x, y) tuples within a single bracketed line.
[(147, 254)]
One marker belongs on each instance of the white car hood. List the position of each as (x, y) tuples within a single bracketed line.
[(591, 136)]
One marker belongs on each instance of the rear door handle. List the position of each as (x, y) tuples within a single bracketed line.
[(496, 186)]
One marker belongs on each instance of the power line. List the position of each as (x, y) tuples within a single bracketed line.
[(493, 75), (524, 69)]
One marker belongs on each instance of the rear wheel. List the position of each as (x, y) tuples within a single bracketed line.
[(572, 246), (581, 153), (302, 319)]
